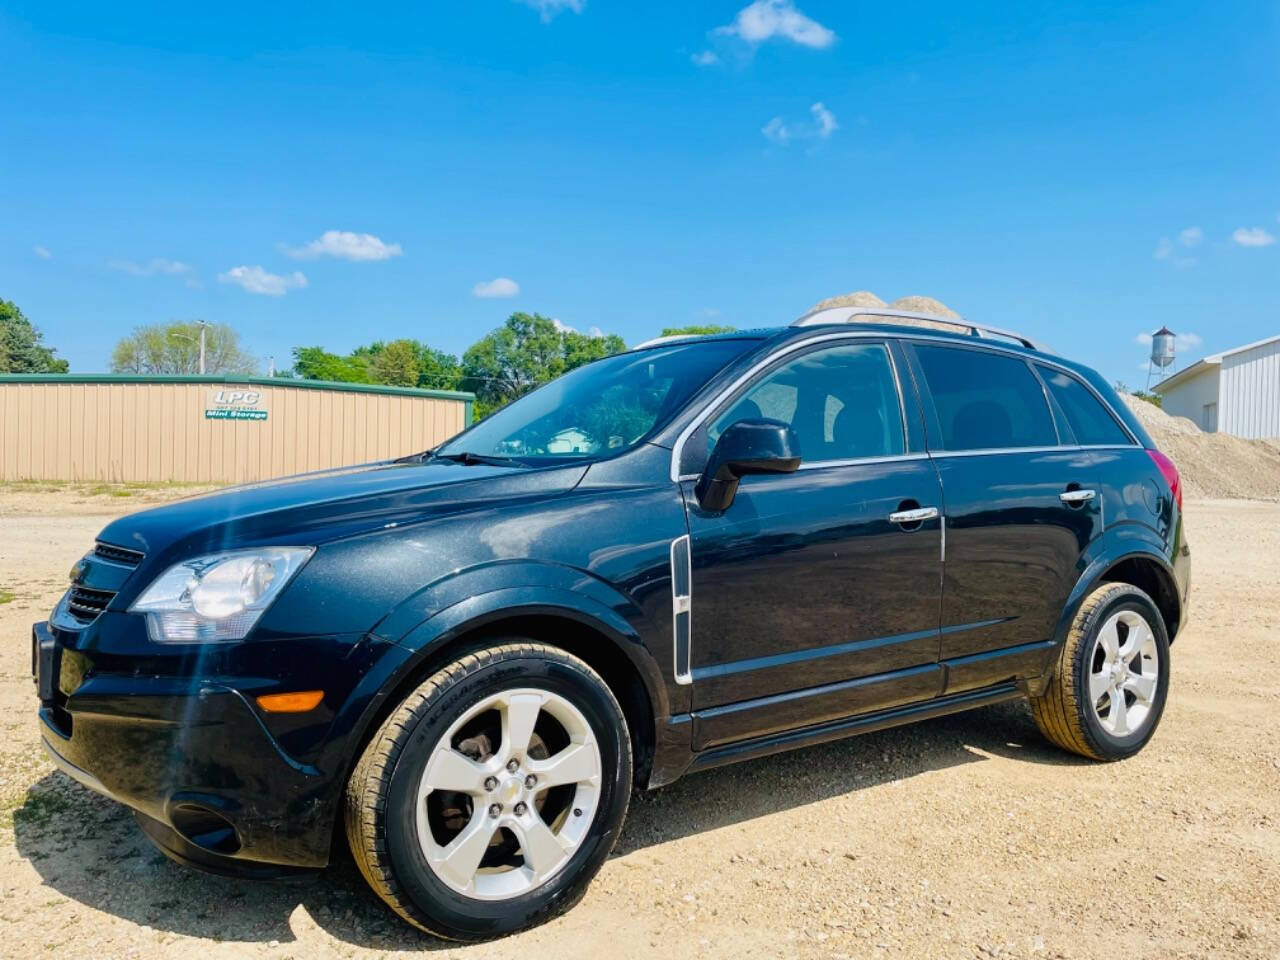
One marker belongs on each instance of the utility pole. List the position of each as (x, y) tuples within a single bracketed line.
[(203, 326)]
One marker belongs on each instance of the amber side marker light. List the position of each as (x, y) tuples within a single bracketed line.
[(299, 702)]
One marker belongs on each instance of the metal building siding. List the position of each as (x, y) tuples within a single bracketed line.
[(1187, 398), (1250, 404), (157, 430)]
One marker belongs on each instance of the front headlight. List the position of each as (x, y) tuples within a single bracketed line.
[(219, 596)]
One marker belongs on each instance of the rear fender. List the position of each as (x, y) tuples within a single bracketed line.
[(1124, 541)]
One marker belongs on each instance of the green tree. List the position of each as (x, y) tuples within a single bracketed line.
[(697, 329), (438, 370), (22, 348), (317, 363), (526, 351), (174, 348), (395, 364)]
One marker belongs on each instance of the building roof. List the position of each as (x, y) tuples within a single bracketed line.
[(228, 379), (1213, 360)]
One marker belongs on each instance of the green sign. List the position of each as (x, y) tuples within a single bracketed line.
[(234, 413)]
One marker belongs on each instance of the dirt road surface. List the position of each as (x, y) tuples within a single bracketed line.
[(962, 837)]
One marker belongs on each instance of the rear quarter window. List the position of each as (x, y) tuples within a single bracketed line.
[(1090, 421), (986, 401)]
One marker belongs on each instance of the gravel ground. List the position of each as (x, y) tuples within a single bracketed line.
[(962, 837)]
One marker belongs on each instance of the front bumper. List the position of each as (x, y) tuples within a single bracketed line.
[(214, 781)]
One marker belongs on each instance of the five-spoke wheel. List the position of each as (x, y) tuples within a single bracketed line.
[(1111, 678), (1124, 670), (493, 793), (508, 793)]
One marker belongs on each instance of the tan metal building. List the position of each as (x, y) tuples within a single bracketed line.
[(125, 428)]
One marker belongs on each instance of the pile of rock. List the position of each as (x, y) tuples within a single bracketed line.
[(1212, 465)]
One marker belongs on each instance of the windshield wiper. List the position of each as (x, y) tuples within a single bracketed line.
[(467, 458)]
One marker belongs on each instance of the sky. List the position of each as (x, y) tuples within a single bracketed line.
[(329, 174)]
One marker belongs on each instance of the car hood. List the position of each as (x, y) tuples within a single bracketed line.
[(313, 508)]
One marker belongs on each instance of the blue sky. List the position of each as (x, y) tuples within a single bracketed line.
[(324, 173)]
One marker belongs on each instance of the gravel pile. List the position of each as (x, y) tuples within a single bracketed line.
[(1213, 465)]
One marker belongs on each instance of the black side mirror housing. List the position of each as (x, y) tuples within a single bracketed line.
[(746, 447)]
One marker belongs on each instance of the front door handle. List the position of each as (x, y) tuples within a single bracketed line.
[(1077, 497), (913, 516)]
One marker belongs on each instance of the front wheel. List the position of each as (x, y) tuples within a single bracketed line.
[(489, 799), (1108, 692)]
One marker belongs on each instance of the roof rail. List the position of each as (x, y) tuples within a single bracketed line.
[(669, 338), (872, 314)]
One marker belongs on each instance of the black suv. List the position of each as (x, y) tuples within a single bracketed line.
[(700, 551)]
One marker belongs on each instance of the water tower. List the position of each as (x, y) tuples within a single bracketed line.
[(1162, 351)]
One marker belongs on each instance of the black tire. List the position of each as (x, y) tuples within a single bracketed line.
[(381, 796), (1064, 712)]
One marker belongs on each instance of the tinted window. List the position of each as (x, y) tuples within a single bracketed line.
[(842, 403), (1089, 419), (602, 408), (986, 400)]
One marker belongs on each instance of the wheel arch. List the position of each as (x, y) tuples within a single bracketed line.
[(1137, 562), (613, 650), (1153, 578)]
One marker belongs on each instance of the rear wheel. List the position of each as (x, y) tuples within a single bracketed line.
[(1112, 677), (489, 799)]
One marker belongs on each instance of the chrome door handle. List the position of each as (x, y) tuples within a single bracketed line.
[(913, 516), (1077, 496)]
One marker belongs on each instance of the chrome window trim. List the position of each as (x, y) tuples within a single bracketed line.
[(855, 461), (997, 451), (677, 450)]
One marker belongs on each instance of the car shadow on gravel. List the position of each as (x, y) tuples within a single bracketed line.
[(88, 848)]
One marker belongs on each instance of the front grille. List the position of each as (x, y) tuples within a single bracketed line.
[(121, 555), (85, 603)]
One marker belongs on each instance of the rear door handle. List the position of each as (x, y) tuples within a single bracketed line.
[(1077, 496), (913, 516)]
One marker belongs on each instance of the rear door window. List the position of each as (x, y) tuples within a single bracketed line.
[(1090, 421), (986, 401)]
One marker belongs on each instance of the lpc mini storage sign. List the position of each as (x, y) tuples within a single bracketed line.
[(235, 403)]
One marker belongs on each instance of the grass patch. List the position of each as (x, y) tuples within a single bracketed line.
[(6, 596)]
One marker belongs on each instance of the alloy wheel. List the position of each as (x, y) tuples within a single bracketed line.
[(508, 794), (1124, 673)]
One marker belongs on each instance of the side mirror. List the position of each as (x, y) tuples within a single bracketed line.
[(746, 447)]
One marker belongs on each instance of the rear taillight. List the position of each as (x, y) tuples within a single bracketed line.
[(1170, 473)]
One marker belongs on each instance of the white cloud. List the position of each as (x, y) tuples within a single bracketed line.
[(1166, 250), (158, 266), (258, 280), (346, 245), (823, 125), (1190, 236), (1253, 237), (777, 131), (705, 58), (565, 328), (547, 9), (777, 19), (42, 252), (825, 119), (498, 287)]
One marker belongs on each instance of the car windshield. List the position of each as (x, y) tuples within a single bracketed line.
[(601, 409)]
